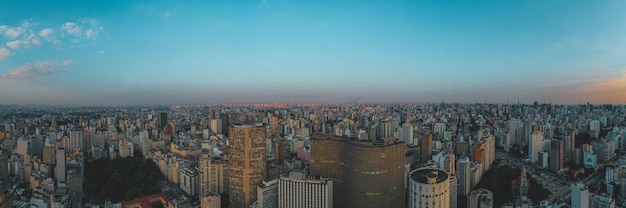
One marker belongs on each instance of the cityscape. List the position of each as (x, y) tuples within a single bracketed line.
[(312, 104)]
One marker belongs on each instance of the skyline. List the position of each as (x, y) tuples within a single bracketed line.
[(174, 52)]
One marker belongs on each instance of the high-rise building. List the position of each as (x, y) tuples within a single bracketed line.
[(299, 191), (407, 133), (216, 126), (189, 181), (76, 141), (556, 155), (580, 195), (247, 163), (367, 173), (386, 129), (427, 146), (463, 166), (59, 168), (534, 145), (569, 144), (516, 131), (481, 198), (162, 120), (267, 194), (211, 200), (429, 187)]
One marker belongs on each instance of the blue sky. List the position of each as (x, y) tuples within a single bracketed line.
[(189, 52)]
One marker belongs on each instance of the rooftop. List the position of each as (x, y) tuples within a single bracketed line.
[(424, 175)]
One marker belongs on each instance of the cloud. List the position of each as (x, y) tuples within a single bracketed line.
[(46, 33), (14, 32), (4, 53), (30, 72), (167, 14), (14, 44), (71, 28), (100, 52), (607, 90)]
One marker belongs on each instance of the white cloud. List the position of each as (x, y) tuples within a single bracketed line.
[(167, 14), (90, 33), (46, 33), (29, 72), (14, 44), (71, 28), (100, 52), (4, 53), (14, 32)]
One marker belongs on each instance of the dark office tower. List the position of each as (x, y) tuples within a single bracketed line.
[(247, 166), (162, 120), (367, 173), (225, 123), (282, 150), (556, 155), (427, 146), (569, 140)]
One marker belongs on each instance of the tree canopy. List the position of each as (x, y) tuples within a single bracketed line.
[(121, 179)]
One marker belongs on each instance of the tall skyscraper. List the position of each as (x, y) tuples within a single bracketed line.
[(534, 145), (516, 130), (59, 168), (267, 194), (386, 129), (580, 195), (427, 146), (216, 126), (162, 120), (366, 173), (429, 187), (480, 198), (556, 155), (247, 163), (299, 191), (568, 147), (463, 166)]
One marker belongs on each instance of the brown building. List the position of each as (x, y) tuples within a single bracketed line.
[(367, 173), (247, 163), (427, 146)]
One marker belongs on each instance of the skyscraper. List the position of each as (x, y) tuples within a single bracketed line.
[(463, 166), (162, 120), (366, 173), (429, 187), (59, 168), (481, 198), (580, 195), (556, 155), (427, 146), (386, 129), (534, 145), (247, 163), (299, 191)]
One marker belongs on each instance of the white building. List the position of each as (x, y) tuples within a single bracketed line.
[(189, 181), (535, 143), (299, 191), (429, 187), (580, 195)]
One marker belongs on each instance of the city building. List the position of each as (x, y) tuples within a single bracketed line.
[(426, 146), (429, 187), (463, 167), (211, 200), (297, 190), (556, 155), (59, 168), (534, 145), (374, 168), (267, 195), (480, 198), (580, 195), (247, 163), (189, 181)]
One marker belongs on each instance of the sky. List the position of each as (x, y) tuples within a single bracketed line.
[(197, 52)]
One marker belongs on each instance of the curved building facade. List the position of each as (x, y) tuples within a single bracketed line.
[(366, 173), (429, 187)]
